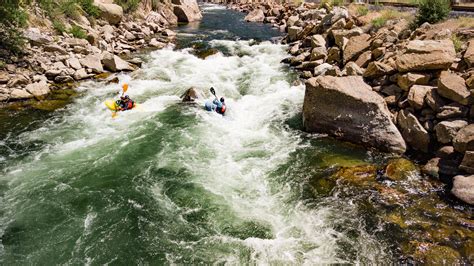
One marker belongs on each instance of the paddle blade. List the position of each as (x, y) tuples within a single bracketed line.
[(125, 88), (213, 91)]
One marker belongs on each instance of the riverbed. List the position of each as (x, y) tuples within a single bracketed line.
[(171, 183)]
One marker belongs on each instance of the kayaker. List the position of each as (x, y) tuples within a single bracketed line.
[(216, 105), (220, 105), (125, 103)]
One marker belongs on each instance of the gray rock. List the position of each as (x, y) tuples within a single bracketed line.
[(352, 69), (356, 46), (426, 55), (417, 94), (453, 87), (92, 62), (377, 69), (63, 79), (17, 94), (463, 188), (322, 69), (318, 53), (467, 163), (39, 90), (54, 48), (412, 131), (464, 140), (318, 40), (255, 15), (407, 80), (293, 32), (187, 10), (111, 12), (347, 107), (35, 37), (114, 63), (81, 74), (447, 130), (453, 110), (74, 63)]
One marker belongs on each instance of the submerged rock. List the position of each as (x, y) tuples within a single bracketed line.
[(347, 107)]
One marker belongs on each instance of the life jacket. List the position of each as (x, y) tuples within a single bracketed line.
[(221, 110), (129, 105)]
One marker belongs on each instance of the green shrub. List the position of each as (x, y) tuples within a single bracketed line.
[(77, 32), (70, 9), (457, 43), (12, 18), (2, 64), (89, 8), (128, 5), (59, 26), (432, 11), (362, 10), (379, 22), (337, 2)]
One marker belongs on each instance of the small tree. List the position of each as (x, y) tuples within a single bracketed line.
[(432, 11), (12, 18)]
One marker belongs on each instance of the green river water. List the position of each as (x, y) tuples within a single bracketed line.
[(171, 183)]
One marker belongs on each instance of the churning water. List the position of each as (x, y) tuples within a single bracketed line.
[(172, 183)]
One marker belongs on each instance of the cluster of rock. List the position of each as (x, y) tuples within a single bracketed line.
[(392, 88), (62, 59)]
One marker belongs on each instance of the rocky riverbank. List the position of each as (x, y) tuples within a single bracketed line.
[(53, 62), (391, 87)]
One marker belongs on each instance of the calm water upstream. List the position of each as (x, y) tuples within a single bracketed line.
[(172, 183)]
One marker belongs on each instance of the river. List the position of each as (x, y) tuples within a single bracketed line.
[(172, 183)]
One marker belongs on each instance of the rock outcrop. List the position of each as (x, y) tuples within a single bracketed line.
[(111, 12), (426, 55), (186, 10), (346, 107)]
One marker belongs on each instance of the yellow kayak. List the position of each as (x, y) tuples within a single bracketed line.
[(112, 105)]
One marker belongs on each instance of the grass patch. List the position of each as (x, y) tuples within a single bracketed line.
[(70, 9), (465, 22), (379, 22), (2, 64), (128, 5), (77, 32), (59, 26), (386, 15), (362, 10), (457, 43)]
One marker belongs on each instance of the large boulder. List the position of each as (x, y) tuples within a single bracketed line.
[(453, 87), (255, 15), (186, 10), (18, 94), (463, 188), (447, 130), (114, 63), (469, 54), (413, 132), (467, 163), (347, 107), (35, 37), (111, 12), (426, 55), (464, 139), (92, 62), (39, 89), (356, 46)]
